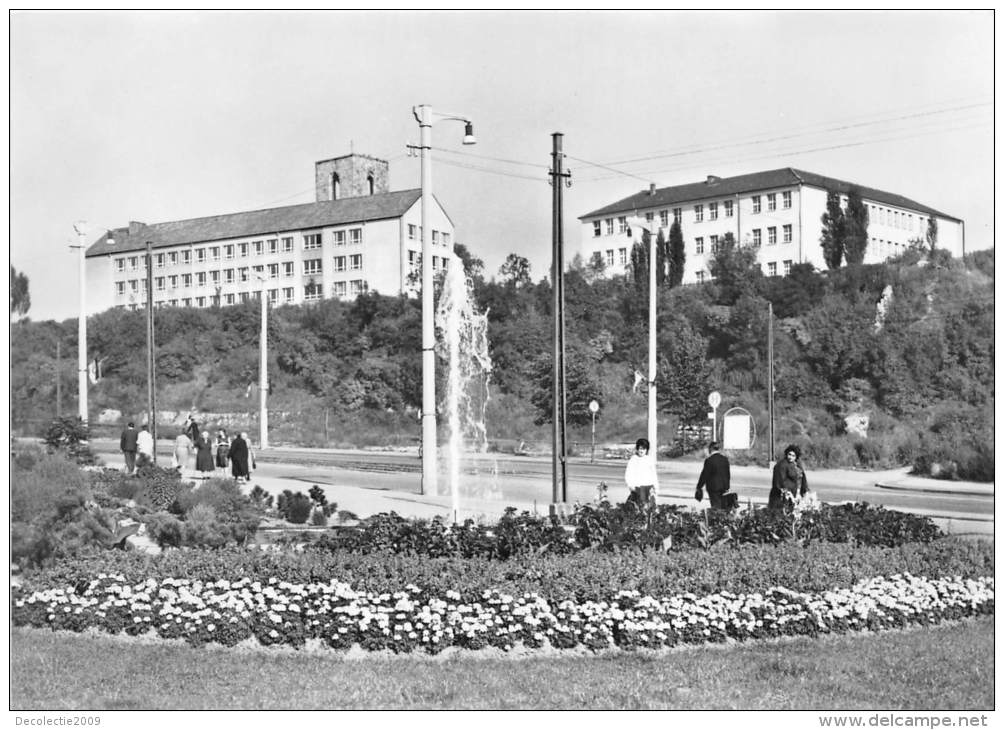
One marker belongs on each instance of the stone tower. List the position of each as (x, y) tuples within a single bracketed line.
[(351, 176)]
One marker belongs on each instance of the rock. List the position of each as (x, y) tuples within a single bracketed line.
[(856, 424)]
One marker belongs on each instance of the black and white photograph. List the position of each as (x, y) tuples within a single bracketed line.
[(401, 360)]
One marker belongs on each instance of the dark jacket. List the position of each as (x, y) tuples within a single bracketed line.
[(715, 475), (128, 440), (239, 458), (788, 478)]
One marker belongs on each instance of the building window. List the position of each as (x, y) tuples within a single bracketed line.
[(771, 235), (699, 243), (649, 216), (273, 296), (756, 203), (356, 235), (787, 267), (712, 211), (700, 277), (339, 288), (412, 229), (186, 302), (446, 238), (357, 287), (312, 266), (172, 258), (200, 278), (609, 257), (435, 238), (786, 232), (287, 244), (186, 281), (311, 240), (678, 215), (356, 261), (622, 256), (228, 251), (259, 270), (756, 238), (120, 287), (664, 218), (287, 268), (120, 264), (287, 293), (597, 228), (214, 276), (339, 237), (698, 213), (134, 286), (259, 248), (609, 222), (273, 245), (173, 281), (772, 268), (242, 273), (214, 253), (228, 276), (228, 298), (728, 208), (713, 240), (413, 260), (340, 261), (160, 283), (160, 261), (311, 292), (186, 257), (786, 199), (273, 271), (200, 255), (622, 225), (771, 201), (200, 302), (133, 263)]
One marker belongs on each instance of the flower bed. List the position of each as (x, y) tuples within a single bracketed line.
[(279, 612)]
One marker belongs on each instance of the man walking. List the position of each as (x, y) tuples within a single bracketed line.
[(128, 445), (144, 447), (715, 476)]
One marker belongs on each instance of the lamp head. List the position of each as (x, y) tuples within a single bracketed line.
[(80, 228), (469, 133)]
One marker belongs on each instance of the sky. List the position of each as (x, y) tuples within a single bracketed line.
[(159, 116)]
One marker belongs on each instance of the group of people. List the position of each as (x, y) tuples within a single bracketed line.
[(788, 483), (219, 452)]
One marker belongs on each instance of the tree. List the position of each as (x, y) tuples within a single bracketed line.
[(662, 259), (677, 254), (855, 228), (20, 299), (682, 375), (735, 268), (474, 267), (932, 233), (597, 266), (515, 271), (832, 238)]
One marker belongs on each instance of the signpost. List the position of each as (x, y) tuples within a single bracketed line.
[(714, 400), (593, 407)]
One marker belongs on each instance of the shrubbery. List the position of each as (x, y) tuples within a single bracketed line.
[(959, 444)]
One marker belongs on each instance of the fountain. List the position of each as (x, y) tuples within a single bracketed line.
[(462, 341)]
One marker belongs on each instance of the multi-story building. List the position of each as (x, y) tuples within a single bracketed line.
[(778, 212), (357, 237)]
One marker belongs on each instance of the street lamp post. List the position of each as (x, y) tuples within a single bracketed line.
[(426, 117), (263, 370), (593, 407), (80, 227)]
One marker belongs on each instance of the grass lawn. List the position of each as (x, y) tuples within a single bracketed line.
[(941, 668)]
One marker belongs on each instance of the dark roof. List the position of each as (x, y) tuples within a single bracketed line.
[(257, 222), (740, 184)]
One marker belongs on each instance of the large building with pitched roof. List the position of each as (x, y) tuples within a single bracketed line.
[(778, 212), (357, 236)]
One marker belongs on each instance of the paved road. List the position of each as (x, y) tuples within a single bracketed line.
[(527, 480)]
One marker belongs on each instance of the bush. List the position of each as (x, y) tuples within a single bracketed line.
[(294, 508), (165, 529), (160, 488), (959, 444), (115, 483), (69, 435)]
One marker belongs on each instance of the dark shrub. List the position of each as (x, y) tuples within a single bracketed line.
[(165, 529), (294, 508), (959, 444), (69, 435), (160, 488)]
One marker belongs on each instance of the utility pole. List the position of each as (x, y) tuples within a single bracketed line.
[(59, 389), (770, 383), (80, 227), (559, 446), (263, 372), (151, 373)]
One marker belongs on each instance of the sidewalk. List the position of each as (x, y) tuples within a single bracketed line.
[(941, 486)]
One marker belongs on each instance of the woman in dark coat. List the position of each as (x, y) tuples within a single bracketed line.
[(204, 455), (222, 449), (789, 480), (239, 459)]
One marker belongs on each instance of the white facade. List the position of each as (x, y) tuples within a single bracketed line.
[(783, 222)]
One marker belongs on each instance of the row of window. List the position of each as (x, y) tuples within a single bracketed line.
[(415, 261), (438, 237), (311, 292), (727, 209), (897, 219), (353, 262), (703, 276)]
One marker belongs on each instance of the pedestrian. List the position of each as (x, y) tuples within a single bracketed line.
[(204, 455), (640, 475), (716, 477), (182, 451), (239, 453), (127, 444), (144, 447), (251, 460), (789, 483), (222, 449)]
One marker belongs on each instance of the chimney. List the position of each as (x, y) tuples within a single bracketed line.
[(651, 188), (713, 180), (135, 227)]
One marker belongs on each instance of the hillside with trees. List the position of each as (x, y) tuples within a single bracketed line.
[(907, 343)]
